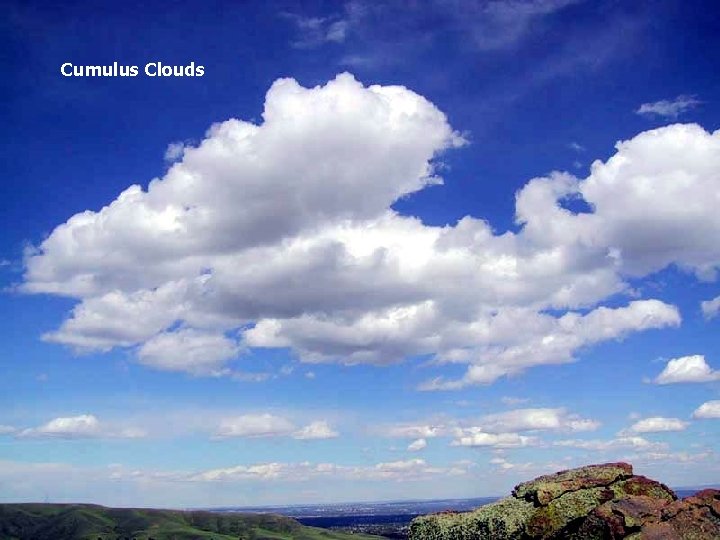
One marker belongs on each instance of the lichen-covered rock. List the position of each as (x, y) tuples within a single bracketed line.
[(643, 487), (502, 520), (598, 502), (563, 512), (544, 489)]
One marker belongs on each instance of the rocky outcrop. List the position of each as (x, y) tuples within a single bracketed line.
[(597, 502)]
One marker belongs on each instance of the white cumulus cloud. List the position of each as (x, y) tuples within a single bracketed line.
[(709, 409), (687, 369), (281, 234), (549, 340)]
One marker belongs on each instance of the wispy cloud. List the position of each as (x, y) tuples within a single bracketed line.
[(711, 308), (84, 426), (313, 32), (417, 445), (620, 443), (483, 25), (655, 424), (270, 425), (393, 32), (416, 431), (669, 108), (501, 24), (536, 420), (403, 470)]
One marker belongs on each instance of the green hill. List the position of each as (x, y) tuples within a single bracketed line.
[(92, 522)]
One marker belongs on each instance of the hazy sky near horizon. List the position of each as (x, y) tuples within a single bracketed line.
[(378, 250)]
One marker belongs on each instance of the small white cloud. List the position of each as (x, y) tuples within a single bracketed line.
[(501, 462), (246, 376), (475, 437), (270, 425), (711, 308), (576, 146), (174, 151), (254, 425), (672, 458), (6, 430), (309, 374), (511, 401), (79, 427), (656, 424), (687, 369), (417, 445), (406, 431), (535, 419), (669, 108), (287, 369), (504, 465), (319, 429), (709, 409), (625, 442)]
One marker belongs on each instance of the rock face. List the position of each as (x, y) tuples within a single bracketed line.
[(597, 502)]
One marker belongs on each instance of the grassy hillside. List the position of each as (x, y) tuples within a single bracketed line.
[(91, 522)]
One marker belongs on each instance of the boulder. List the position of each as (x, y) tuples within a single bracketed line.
[(597, 502)]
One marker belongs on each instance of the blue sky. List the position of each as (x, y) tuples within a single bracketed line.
[(379, 250)]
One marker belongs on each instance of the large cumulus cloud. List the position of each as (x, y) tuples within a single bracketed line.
[(282, 234)]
